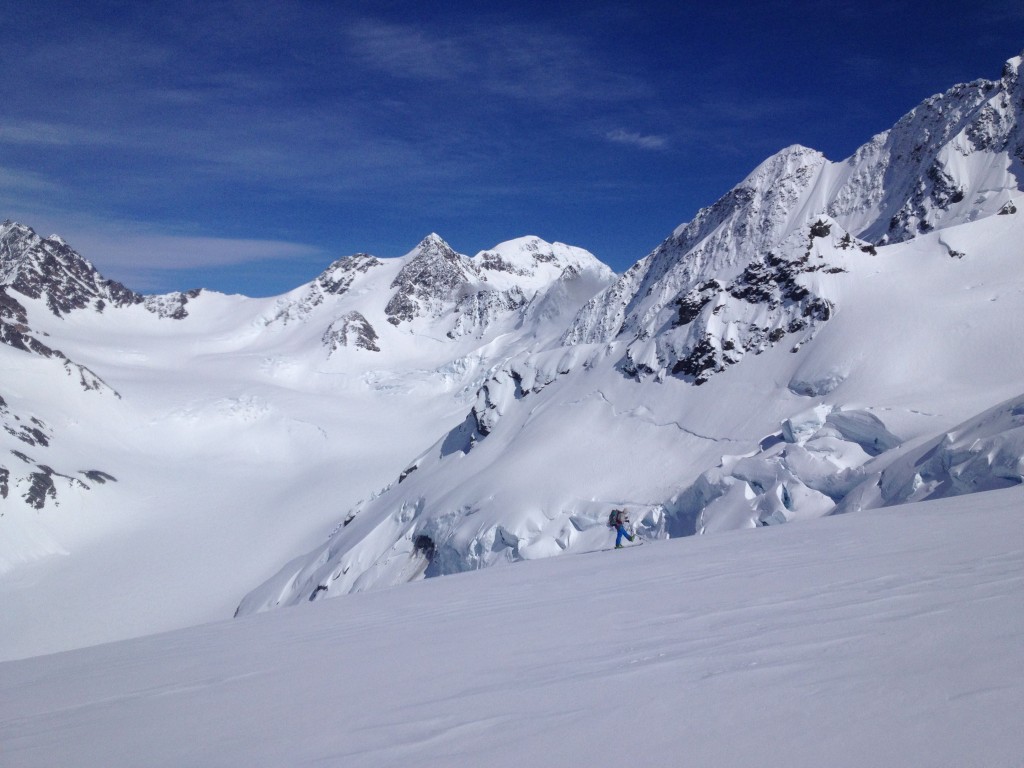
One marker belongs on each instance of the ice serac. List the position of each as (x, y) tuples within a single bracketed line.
[(981, 454)]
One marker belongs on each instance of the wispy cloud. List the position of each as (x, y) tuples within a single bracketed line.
[(154, 262), (19, 182), (172, 252), (337, 103), (406, 51), (527, 63), (48, 134), (639, 140)]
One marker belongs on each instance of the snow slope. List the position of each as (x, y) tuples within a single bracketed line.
[(917, 342), (876, 638), (228, 432)]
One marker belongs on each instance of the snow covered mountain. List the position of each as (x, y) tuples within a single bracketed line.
[(828, 336), (874, 304), (226, 432), (957, 158)]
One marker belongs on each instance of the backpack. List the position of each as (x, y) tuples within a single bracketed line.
[(617, 517)]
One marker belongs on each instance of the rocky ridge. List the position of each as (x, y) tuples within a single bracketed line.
[(957, 157)]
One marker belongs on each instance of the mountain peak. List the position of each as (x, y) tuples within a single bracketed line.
[(533, 256), (786, 162), (433, 244), (432, 272), (48, 268), (1011, 68)]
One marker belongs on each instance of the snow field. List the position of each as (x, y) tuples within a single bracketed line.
[(878, 638)]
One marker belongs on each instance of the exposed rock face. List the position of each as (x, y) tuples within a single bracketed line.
[(46, 269), (40, 488), (171, 305), (49, 269), (336, 280), (14, 332), (36, 478), (774, 297), (436, 281), (913, 178), (352, 330), (36, 433), (428, 281), (476, 311), (716, 322), (338, 277), (751, 219)]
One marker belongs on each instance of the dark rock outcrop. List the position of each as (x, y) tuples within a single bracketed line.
[(352, 330), (47, 268)]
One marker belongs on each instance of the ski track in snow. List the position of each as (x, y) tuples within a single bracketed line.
[(641, 413)]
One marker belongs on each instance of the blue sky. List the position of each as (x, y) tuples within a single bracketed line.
[(244, 146)]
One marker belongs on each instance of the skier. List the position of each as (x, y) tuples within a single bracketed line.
[(618, 520)]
